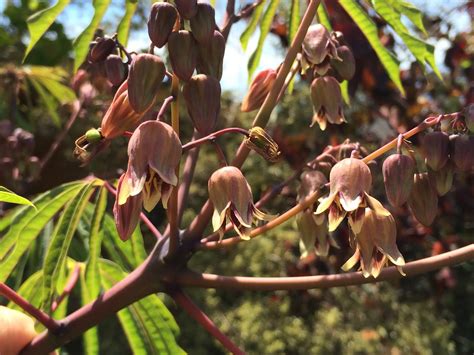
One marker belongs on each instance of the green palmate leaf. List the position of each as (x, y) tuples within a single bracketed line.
[(11, 197), (252, 26), (61, 239), (138, 247), (265, 25), (323, 17), (120, 252), (295, 18), (123, 29), (90, 337), (423, 52), (410, 11), (95, 239), (369, 29), (39, 22), (148, 325), (28, 223), (81, 43), (50, 104)]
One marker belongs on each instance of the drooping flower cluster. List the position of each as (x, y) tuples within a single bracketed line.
[(313, 228), (154, 152), (232, 198), (326, 60), (373, 229)]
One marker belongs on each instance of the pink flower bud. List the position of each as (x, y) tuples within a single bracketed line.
[(116, 69), (463, 151), (317, 44), (186, 8), (102, 48), (211, 56), (398, 173), (345, 66), (146, 74), (423, 201), (202, 96), (203, 23), (162, 19), (183, 52), (258, 91), (436, 149)]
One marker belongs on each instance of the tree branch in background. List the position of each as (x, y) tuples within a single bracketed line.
[(192, 279), (195, 312)]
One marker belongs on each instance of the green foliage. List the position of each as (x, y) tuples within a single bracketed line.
[(11, 197), (41, 21), (265, 25), (148, 325), (47, 82), (81, 43), (123, 28), (369, 29), (392, 11), (61, 240), (252, 26)]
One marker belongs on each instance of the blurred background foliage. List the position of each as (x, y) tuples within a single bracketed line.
[(431, 314)]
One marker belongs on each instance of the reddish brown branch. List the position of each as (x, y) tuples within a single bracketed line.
[(76, 109), (192, 279), (195, 312), (71, 283), (36, 313)]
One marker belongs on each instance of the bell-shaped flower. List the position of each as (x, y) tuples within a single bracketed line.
[(327, 101), (313, 228), (258, 90), (350, 180), (232, 198), (375, 244), (154, 152), (16, 331), (120, 116), (127, 214)]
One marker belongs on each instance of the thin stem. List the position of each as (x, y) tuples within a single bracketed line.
[(211, 137), (192, 279), (76, 109), (270, 102), (428, 122), (164, 107), (270, 225), (173, 201), (187, 177), (220, 154), (36, 313), (229, 18), (197, 226), (71, 283), (197, 314), (143, 217)]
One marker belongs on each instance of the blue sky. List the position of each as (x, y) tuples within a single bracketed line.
[(76, 17)]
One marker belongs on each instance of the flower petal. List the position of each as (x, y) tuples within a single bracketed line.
[(349, 204), (325, 203), (335, 217), (375, 204), (126, 215), (349, 264)]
